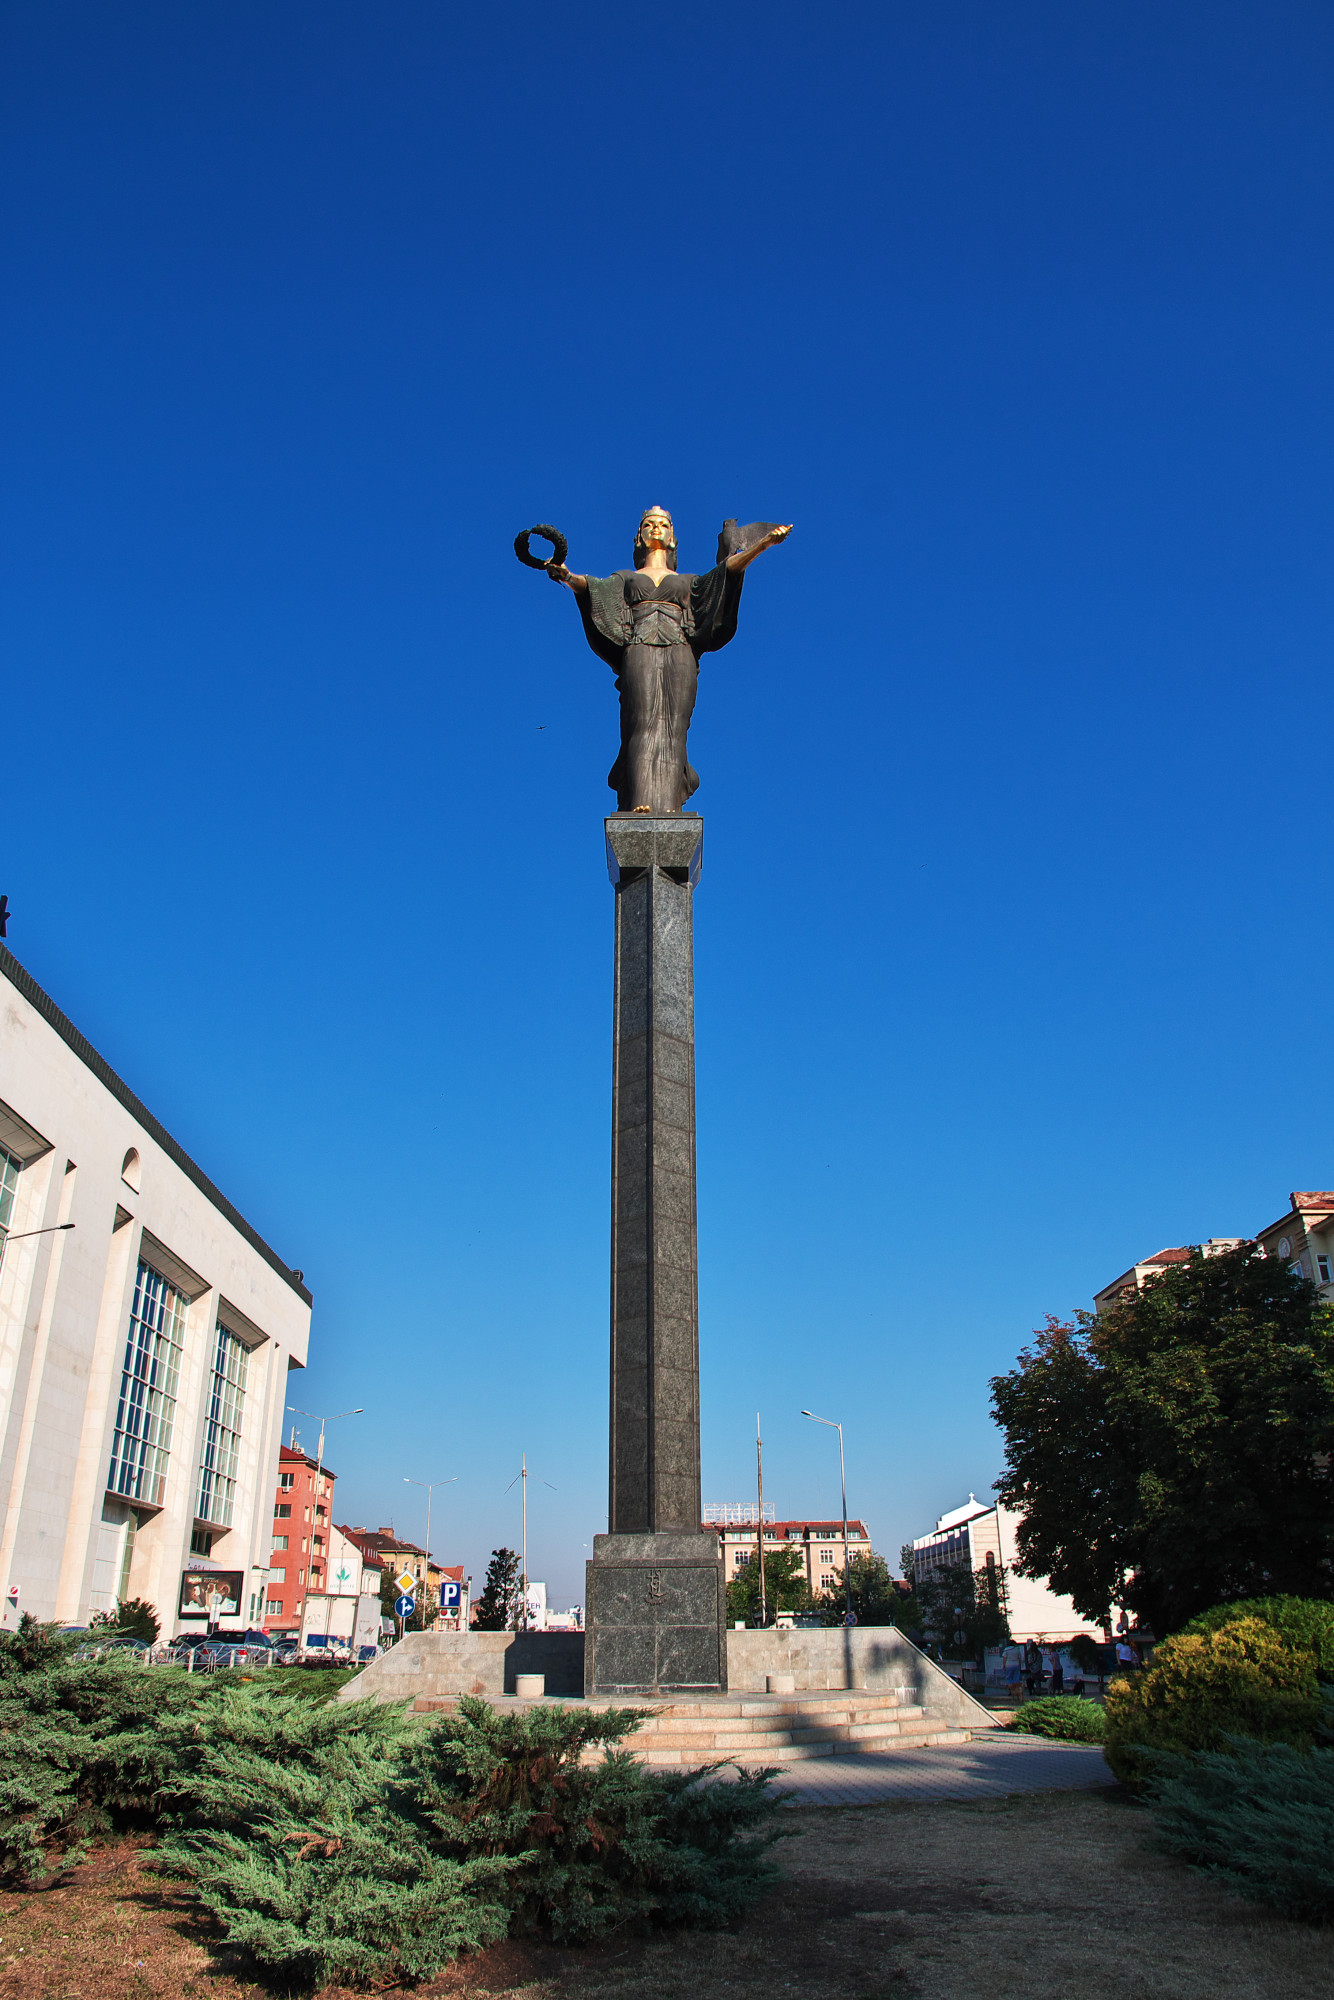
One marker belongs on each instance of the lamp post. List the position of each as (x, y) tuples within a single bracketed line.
[(319, 1468), (843, 1481), (21, 1235), (430, 1486)]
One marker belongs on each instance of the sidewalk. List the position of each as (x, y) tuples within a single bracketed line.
[(989, 1767)]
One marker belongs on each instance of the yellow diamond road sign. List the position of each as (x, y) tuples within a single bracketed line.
[(406, 1582)]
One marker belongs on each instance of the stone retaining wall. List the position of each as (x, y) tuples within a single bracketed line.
[(875, 1657)]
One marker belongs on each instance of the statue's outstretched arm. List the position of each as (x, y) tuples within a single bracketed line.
[(769, 541), (559, 574)]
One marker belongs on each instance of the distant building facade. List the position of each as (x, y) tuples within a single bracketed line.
[(1303, 1238), (146, 1334), (979, 1538), (820, 1543), (298, 1560), (398, 1556)]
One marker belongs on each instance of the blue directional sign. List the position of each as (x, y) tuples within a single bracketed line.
[(405, 1606)]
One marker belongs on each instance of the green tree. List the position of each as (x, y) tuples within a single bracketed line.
[(1175, 1452), (138, 1619), (954, 1600), (785, 1586), (500, 1603), (874, 1598)]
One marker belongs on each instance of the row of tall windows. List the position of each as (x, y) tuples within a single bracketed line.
[(9, 1180), (222, 1429), (146, 1408)]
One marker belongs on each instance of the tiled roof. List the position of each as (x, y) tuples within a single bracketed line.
[(1180, 1256), (1314, 1200)]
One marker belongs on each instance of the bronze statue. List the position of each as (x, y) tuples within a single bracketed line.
[(651, 625)]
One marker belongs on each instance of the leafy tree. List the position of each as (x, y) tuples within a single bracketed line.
[(785, 1585), (956, 1599), (1174, 1452), (874, 1597), (501, 1601)]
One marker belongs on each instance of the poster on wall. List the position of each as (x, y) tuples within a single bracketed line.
[(211, 1593)]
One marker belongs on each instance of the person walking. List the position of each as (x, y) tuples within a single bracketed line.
[(1033, 1667), (1057, 1671)]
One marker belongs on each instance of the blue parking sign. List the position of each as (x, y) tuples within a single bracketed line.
[(451, 1595)]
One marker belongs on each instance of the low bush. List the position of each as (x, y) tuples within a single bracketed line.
[(598, 1844), (1241, 1679), (81, 1745), (347, 1841), (1306, 1623), (1259, 1817), (1067, 1718)]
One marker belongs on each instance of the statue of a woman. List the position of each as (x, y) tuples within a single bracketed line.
[(651, 625)]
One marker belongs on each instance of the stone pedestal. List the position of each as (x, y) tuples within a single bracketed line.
[(654, 1607)]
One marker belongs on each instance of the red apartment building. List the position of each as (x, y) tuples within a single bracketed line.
[(302, 1511)]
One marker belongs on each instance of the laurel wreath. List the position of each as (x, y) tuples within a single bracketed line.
[(560, 548)]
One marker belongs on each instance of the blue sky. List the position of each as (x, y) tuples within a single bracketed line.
[(1013, 941)]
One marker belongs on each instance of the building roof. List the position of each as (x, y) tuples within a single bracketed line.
[(287, 1453), (383, 1542), (20, 978), (784, 1527), (1312, 1200)]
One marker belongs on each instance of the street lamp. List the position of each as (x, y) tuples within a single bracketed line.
[(21, 1235), (843, 1481), (315, 1418), (430, 1486)]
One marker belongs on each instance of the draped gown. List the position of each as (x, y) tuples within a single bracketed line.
[(653, 635)]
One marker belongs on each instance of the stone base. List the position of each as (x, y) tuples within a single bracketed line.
[(655, 1613)]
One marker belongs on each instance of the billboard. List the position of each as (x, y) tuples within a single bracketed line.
[(211, 1593)]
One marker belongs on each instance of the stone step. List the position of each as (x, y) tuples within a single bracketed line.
[(797, 1753)]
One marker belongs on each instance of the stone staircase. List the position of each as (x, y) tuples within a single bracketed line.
[(752, 1729)]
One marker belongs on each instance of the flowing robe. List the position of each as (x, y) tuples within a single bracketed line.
[(653, 635)]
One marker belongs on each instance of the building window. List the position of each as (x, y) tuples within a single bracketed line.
[(222, 1430), (146, 1409), (826, 1555), (201, 1542), (742, 1559), (282, 1513), (280, 1541), (274, 1608), (286, 1481), (9, 1180), (279, 1575), (1323, 1262)]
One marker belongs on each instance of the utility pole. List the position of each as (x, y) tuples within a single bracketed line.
[(522, 1474), (759, 1529), (523, 1561)]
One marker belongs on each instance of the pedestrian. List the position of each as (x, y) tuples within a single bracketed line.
[(1033, 1667), (1057, 1671), (1126, 1657)]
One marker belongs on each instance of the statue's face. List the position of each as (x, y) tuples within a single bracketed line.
[(655, 530)]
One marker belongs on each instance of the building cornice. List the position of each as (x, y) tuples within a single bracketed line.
[(23, 982)]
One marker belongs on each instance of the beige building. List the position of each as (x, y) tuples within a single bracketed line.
[(979, 1538), (819, 1542), (1135, 1279), (146, 1334), (1302, 1238)]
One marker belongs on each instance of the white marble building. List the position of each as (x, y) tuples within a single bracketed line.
[(146, 1333)]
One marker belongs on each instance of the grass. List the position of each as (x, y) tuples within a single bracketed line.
[(1060, 1892)]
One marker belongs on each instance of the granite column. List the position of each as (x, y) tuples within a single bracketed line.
[(655, 1598)]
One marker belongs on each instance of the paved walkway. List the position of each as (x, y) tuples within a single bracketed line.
[(990, 1767)]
